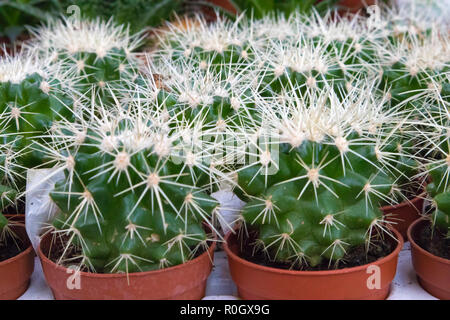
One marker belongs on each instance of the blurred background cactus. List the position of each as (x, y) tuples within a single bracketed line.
[(95, 54), (139, 14)]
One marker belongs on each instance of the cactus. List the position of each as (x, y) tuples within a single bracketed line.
[(135, 193), (412, 18), (415, 68), (32, 98), (10, 175), (222, 101), (432, 134), (10, 178), (333, 168), (96, 54), (439, 190)]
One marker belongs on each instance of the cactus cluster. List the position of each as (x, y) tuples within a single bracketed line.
[(336, 91), (304, 116)]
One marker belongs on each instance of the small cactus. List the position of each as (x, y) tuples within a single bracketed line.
[(96, 54), (135, 193), (32, 98), (433, 135), (334, 168), (415, 68), (222, 43)]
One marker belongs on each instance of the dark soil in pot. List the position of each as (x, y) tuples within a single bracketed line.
[(355, 257), (16, 270), (11, 248), (433, 241), (16, 209), (433, 271), (73, 254)]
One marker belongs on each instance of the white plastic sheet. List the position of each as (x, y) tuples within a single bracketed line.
[(39, 207)]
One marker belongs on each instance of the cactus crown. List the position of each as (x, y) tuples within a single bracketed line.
[(96, 53), (415, 67)]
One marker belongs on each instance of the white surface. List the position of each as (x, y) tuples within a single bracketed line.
[(38, 289), (405, 285), (221, 287)]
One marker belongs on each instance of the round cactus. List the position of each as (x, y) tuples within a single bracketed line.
[(316, 188), (415, 68), (97, 55), (432, 133), (135, 193), (33, 97), (220, 101), (222, 44)]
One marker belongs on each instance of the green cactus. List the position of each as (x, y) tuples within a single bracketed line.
[(9, 179), (135, 193), (96, 54), (298, 51), (333, 170), (415, 68), (436, 151), (32, 98), (221, 101)]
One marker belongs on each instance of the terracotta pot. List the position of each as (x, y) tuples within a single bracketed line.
[(404, 213), (433, 272), (182, 282), (356, 5), (15, 272), (256, 282)]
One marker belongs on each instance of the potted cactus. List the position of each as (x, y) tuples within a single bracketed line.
[(414, 73), (31, 100), (16, 255), (135, 211), (312, 227), (430, 235)]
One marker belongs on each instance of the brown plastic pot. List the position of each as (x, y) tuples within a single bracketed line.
[(181, 282), (404, 213), (256, 282), (433, 272), (15, 272), (356, 5)]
